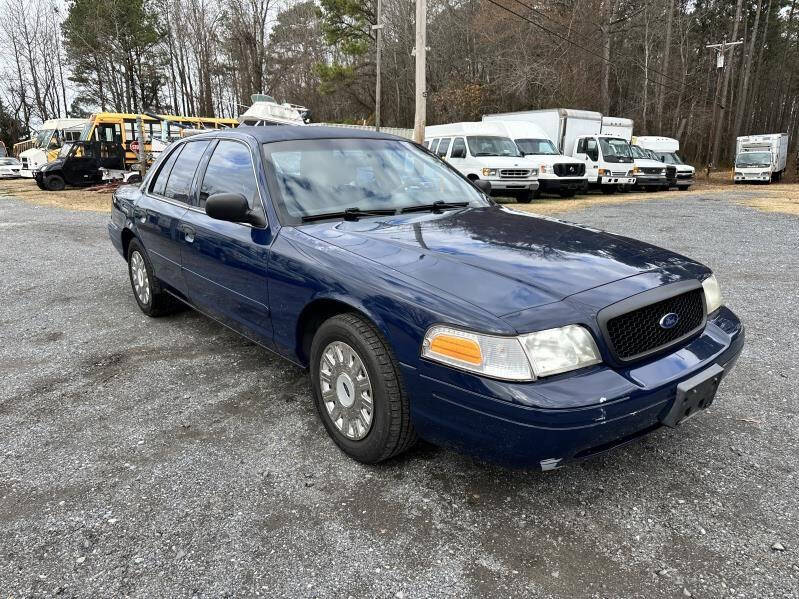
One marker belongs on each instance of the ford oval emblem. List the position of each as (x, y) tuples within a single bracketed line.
[(669, 321)]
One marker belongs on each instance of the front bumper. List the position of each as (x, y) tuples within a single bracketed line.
[(754, 177), (513, 185), (525, 424), (563, 184), (650, 181), (616, 180), (684, 180), (27, 173)]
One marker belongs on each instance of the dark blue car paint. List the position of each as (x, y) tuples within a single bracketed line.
[(488, 269)]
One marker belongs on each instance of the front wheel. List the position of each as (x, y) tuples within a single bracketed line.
[(54, 183), (525, 197), (358, 390)]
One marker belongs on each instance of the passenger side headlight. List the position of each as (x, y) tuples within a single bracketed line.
[(489, 172), (522, 358), (559, 350), (713, 297)]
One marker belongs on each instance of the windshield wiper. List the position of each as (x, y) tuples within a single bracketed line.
[(349, 214), (435, 206)]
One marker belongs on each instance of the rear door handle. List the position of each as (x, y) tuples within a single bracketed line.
[(188, 233)]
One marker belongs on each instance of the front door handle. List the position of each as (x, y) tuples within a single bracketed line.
[(188, 233)]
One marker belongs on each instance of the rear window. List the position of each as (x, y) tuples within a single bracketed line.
[(178, 186)]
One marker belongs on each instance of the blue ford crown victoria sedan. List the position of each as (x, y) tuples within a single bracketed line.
[(420, 307)]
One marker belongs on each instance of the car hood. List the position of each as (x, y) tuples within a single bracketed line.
[(52, 165), (649, 163), (498, 259)]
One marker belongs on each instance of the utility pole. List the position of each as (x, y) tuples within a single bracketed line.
[(420, 119), (141, 152), (718, 121), (379, 29)]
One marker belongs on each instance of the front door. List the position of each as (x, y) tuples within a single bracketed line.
[(588, 150), (160, 210), (224, 263)]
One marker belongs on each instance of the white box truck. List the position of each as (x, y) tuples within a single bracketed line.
[(618, 127), (558, 174), (666, 149), (760, 158), (49, 139), (483, 152), (578, 133)]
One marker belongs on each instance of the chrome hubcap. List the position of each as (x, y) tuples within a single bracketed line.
[(141, 282), (346, 390)]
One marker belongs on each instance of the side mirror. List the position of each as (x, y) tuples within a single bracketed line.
[(483, 185), (232, 207)]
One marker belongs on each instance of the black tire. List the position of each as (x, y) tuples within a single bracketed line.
[(158, 301), (391, 431), (524, 197), (40, 184), (54, 183), (684, 187), (608, 189)]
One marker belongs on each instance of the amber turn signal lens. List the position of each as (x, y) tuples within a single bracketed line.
[(465, 350)]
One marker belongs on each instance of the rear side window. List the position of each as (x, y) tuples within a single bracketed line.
[(230, 170), (178, 186), (163, 173), (434, 144), (443, 147)]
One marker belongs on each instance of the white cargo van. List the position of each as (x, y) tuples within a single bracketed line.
[(578, 133), (650, 174), (483, 151), (557, 173), (760, 157), (666, 148), (48, 141)]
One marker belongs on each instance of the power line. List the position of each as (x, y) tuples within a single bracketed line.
[(585, 49)]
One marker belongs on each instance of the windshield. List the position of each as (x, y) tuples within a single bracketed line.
[(753, 159), (670, 157), (87, 129), (615, 149), (7, 161), (43, 138), (65, 149), (484, 145), (638, 152), (319, 176), (537, 147)]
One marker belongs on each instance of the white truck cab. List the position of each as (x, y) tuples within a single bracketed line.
[(559, 174), (666, 149), (483, 151), (48, 141), (650, 174), (609, 161), (760, 158)]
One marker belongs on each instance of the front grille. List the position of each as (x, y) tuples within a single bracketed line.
[(671, 173), (638, 332), (618, 173), (651, 170), (514, 173), (569, 170)]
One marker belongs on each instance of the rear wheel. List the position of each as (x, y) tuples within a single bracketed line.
[(54, 183), (152, 299), (358, 390)]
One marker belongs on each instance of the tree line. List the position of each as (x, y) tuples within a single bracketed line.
[(642, 59)]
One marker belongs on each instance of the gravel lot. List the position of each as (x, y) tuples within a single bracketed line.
[(170, 457)]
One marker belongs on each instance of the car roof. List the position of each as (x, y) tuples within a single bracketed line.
[(268, 134)]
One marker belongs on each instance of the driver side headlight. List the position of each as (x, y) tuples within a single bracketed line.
[(713, 297), (489, 172), (523, 358)]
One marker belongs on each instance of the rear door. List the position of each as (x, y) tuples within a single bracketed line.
[(224, 263), (159, 211)]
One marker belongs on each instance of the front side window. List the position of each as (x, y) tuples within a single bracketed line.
[(320, 176), (591, 149), (230, 170), (487, 145), (178, 186), (43, 138), (537, 147)]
